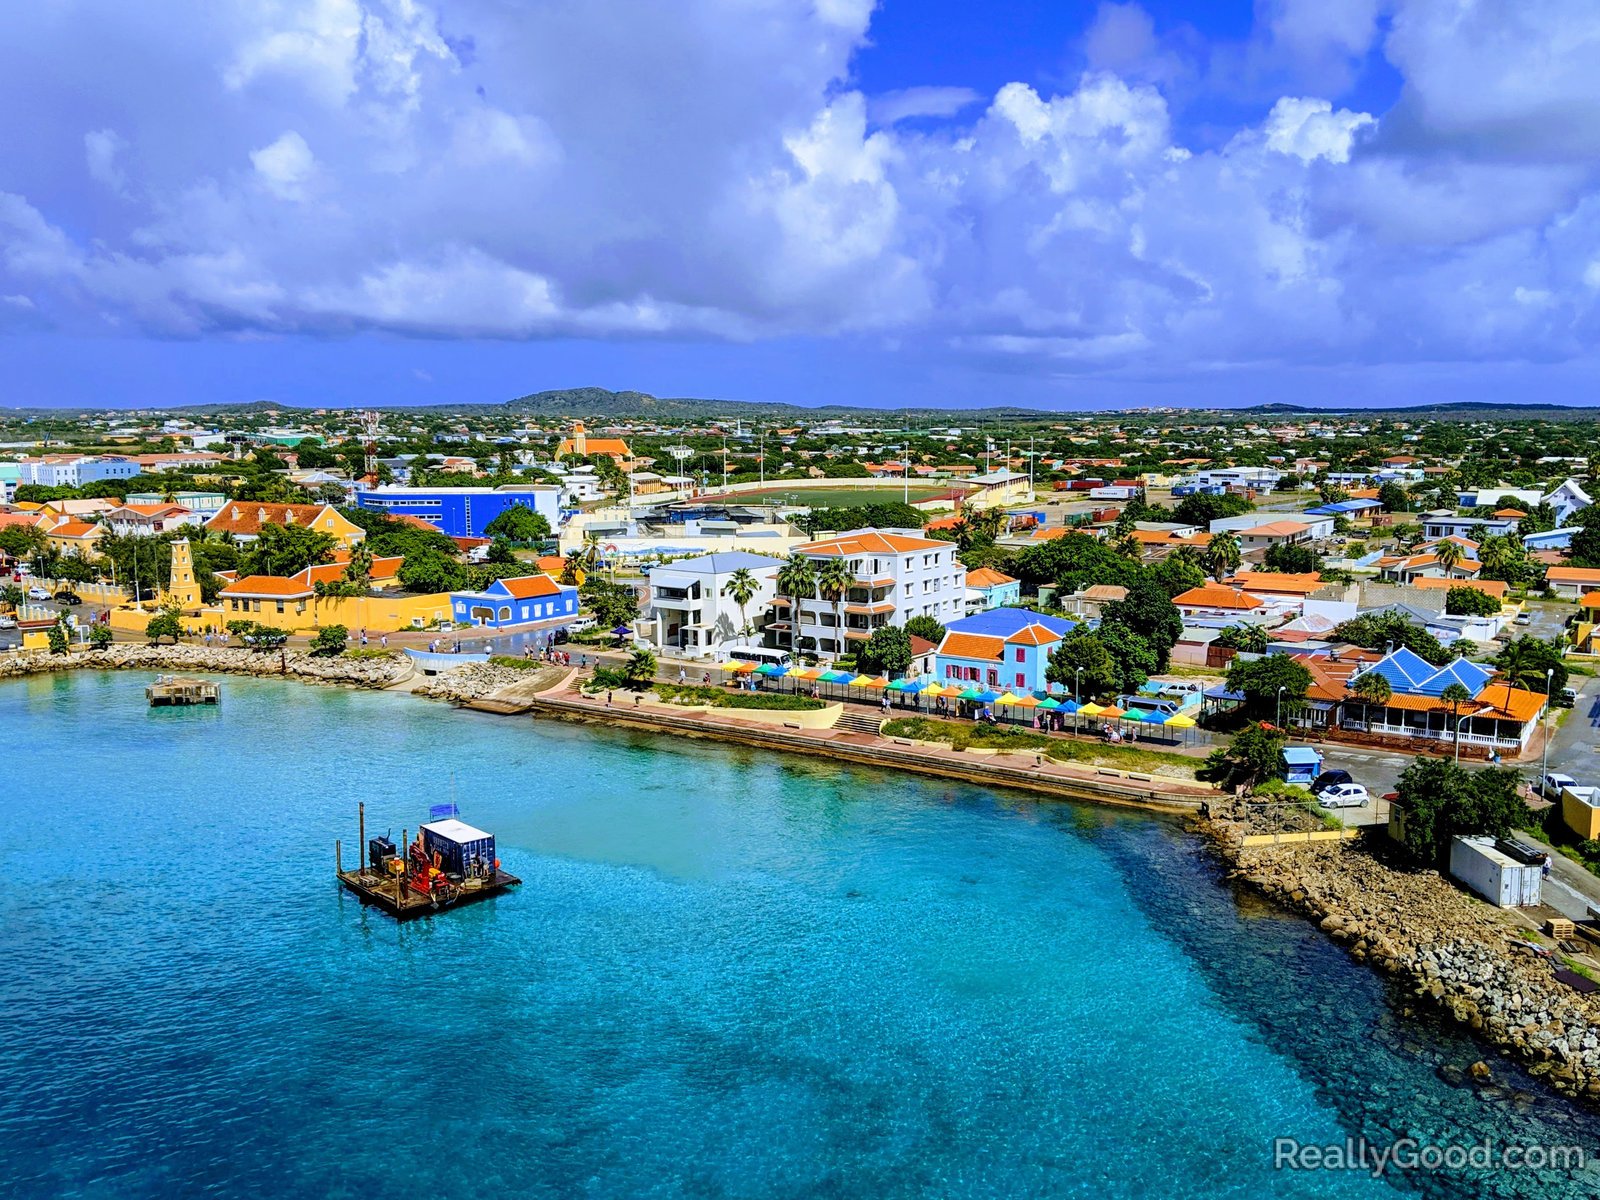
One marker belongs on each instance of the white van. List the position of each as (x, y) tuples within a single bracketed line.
[(759, 655)]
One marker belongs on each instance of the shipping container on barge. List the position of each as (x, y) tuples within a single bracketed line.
[(448, 863)]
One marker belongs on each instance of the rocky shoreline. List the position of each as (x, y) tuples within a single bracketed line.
[(1445, 947), (292, 664), (475, 681)]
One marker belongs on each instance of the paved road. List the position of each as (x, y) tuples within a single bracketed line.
[(1575, 749)]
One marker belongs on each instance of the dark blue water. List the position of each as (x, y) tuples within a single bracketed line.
[(727, 974)]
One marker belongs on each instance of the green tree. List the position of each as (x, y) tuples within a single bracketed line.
[(165, 623), (641, 666), (796, 580), (741, 588), (927, 628), (100, 636), (1292, 560), (1455, 695), (1255, 754), (283, 550), (1073, 562), (501, 552), (1448, 554), (60, 636), (428, 572), (1375, 631), (1177, 574), (1541, 516), (1525, 661), (1470, 602), (1201, 509), (1147, 611), (1441, 800), (1136, 658), (1250, 639), (1083, 663), (1394, 498), (1223, 555), (519, 523), (330, 641), (1260, 678), (613, 604), (834, 581), (21, 542), (887, 651)]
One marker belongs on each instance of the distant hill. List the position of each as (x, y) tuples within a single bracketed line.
[(1459, 408), (593, 401)]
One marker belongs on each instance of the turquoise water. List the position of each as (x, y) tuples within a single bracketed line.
[(726, 975)]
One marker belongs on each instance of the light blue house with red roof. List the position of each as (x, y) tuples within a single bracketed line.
[(1004, 649)]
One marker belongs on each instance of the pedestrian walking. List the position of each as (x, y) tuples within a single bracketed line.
[(608, 699), (383, 640), (683, 676)]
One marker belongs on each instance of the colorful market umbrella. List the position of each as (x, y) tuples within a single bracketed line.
[(1091, 709), (864, 681), (1052, 702), (901, 685), (971, 693), (835, 677), (1006, 698), (1027, 702), (988, 697), (1180, 722), (1134, 714), (769, 669), (804, 673), (912, 685), (1069, 706), (1112, 711), (1154, 717), (935, 689), (741, 668)]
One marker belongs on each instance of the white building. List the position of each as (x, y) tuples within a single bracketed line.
[(1568, 500), (693, 615), (898, 574)]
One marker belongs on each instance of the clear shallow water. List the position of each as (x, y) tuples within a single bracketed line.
[(725, 975)]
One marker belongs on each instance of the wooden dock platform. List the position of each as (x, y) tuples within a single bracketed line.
[(389, 892), (174, 690)]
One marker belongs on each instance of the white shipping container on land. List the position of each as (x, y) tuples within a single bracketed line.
[(1497, 877)]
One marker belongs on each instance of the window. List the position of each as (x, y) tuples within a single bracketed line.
[(994, 677), (280, 605), (1022, 680), (1022, 655)]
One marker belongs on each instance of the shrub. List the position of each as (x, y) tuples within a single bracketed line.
[(330, 641)]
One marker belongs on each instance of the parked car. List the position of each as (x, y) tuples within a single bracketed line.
[(1567, 697), (580, 624), (1550, 786), (38, 593), (1343, 795), (8, 622), (1523, 618), (559, 636), (68, 597), (1329, 779)]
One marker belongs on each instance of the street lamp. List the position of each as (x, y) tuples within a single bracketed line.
[(1544, 768), (1282, 687), (1077, 671)]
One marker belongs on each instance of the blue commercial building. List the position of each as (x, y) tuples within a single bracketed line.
[(463, 511), (507, 602)]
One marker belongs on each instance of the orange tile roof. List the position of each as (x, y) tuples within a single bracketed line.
[(1278, 582), (1510, 512), (248, 516), (1274, 529), (74, 529), (1590, 600), (1033, 635), (1511, 703), (1217, 597), (269, 585), (870, 543), (150, 510), (1572, 575), (985, 577), (972, 645), (528, 586), (1489, 587)]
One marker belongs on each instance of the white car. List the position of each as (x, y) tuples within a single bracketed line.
[(8, 623), (1343, 795), (1554, 784), (38, 593)]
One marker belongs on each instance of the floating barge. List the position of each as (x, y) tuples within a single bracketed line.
[(175, 690), (448, 863)]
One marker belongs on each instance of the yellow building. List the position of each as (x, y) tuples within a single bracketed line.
[(292, 603), (74, 537)]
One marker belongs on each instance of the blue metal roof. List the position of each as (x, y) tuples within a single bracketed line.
[(1300, 754), (1003, 622), (1340, 507)]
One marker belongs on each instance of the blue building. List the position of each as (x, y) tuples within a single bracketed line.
[(514, 602), (463, 511), (1004, 649), (988, 588)]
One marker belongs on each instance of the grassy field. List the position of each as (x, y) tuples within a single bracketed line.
[(963, 735), (674, 693)]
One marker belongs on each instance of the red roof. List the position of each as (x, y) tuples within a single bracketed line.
[(248, 516), (526, 587)]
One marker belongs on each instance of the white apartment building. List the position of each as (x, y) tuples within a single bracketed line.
[(691, 614), (899, 574)]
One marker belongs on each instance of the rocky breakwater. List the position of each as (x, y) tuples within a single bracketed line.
[(478, 681), (1445, 947), (308, 668)]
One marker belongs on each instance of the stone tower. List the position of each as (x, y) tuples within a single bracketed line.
[(182, 588)]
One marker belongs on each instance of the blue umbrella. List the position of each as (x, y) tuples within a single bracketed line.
[(1069, 706), (988, 697)]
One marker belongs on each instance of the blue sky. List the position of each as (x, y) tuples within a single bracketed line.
[(1064, 205)]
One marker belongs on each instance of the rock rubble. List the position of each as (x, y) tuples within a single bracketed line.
[(293, 664)]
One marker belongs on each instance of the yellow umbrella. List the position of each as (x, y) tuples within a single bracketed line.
[(1008, 698), (862, 681), (934, 689), (739, 668), (804, 673), (1091, 709), (1180, 722)]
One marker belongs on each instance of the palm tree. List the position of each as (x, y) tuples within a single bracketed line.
[(1449, 555), (641, 666), (1223, 556), (796, 578), (1370, 688), (1128, 547), (834, 581), (742, 587), (1455, 696)]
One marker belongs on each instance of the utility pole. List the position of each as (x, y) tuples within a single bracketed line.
[(1544, 768)]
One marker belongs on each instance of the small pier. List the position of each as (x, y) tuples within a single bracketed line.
[(424, 878), (174, 690)]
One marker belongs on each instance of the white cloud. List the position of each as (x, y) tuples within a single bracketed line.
[(709, 169), (285, 165), (1310, 129)]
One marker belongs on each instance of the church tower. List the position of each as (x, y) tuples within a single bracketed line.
[(580, 441), (182, 588)]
